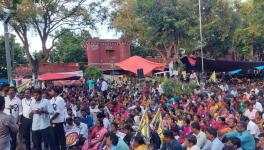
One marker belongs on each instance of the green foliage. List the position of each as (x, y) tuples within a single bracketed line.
[(18, 56), (44, 17), (141, 51), (250, 33), (173, 87), (168, 24), (92, 73), (68, 47)]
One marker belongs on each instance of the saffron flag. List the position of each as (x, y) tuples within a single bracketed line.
[(157, 120), (213, 77), (144, 125)]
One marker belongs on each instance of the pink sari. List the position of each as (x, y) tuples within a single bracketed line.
[(185, 132), (99, 135)]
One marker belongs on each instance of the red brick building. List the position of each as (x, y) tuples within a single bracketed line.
[(102, 53)]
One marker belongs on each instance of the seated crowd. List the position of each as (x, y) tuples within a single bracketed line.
[(219, 116)]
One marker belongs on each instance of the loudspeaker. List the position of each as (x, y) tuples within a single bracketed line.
[(140, 73)]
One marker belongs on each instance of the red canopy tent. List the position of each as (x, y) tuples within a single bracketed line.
[(134, 63), (58, 76)]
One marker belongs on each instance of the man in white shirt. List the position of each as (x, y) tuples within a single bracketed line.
[(104, 87), (13, 107), (114, 129), (13, 104), (250, 112), (253, 128), (7, 127), (256, 105), (26, 120), (83, 130), (216, 144), (191, 143), (57, 119), (40, 109), (200, 135)]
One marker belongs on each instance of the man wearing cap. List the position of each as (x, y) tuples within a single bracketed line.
[(57, 119)]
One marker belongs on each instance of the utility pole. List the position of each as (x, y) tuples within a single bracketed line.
[(201, 38), (7, 47)]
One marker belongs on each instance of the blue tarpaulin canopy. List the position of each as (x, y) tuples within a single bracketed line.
[(4, 82), (260, 67), (211, 65), (234, 71)]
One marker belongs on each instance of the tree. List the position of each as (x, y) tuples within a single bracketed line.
[(18, 56), (44, 17), (152, 23), (92, 73), (68, 47), (250, 33), (168, 25), (137, 50), (219, 21)]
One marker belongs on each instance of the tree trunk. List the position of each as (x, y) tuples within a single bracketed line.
[(33, 63), (251, 49), (166, 52), (35, 72)]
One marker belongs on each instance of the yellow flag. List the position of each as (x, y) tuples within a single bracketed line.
[(24, 86), (144, 125), (213, 77), (157, 119)]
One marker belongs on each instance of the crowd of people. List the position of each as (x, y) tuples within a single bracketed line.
[(226, 115)]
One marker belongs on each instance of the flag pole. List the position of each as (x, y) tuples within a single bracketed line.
[(201, 37)]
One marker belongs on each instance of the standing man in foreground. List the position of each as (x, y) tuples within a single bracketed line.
[(26, 120), (7, 127), (13, 107), (57, 119), (41, 129)]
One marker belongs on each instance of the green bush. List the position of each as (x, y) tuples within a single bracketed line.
[(93, 73), (174, 87)]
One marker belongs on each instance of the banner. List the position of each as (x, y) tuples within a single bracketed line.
[(72, 137)]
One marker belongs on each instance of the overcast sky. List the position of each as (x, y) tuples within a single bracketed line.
[(35, 43)]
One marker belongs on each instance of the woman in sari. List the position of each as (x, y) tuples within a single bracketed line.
[(97, 136)]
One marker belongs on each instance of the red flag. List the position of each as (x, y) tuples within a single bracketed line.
[(192, 60)]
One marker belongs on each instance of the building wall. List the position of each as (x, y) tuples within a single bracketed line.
[(100, 51)]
